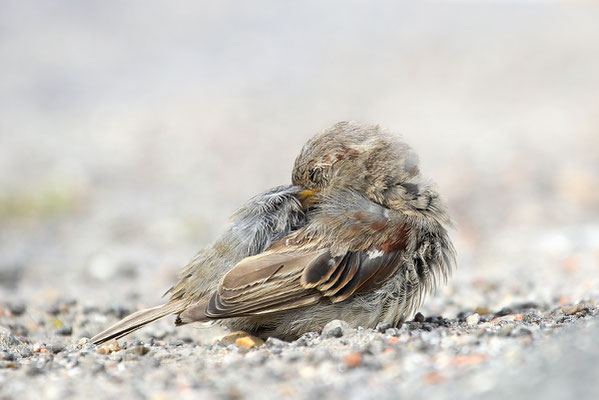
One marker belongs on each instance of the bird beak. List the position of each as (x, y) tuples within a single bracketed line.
[(308, 197)]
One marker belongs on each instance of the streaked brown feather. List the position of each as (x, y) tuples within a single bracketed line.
[(293, 277), (307, 266)]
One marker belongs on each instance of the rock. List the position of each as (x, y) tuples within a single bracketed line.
[(232, 337), (17, 309), (335, 328), (353, 359), (473, 319), (392, 332), (65, 330), (249, 342), (382, 327), (272, 342), (109, 347), (419, 317), (138, 350), (56, 348)]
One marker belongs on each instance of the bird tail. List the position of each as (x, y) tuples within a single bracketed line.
[(138, 320)]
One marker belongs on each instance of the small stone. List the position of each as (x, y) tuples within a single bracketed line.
[(392, 332), (419, 317), (335, 332), (39, 348), (17, 309), (249, 342), (232, 338), (138, 350), (272, 342), (83, 341), (109, 347), (382, 327), (335, 328), (353, 359), (65, 330), (56, 348), (473, 319), (26, 352)]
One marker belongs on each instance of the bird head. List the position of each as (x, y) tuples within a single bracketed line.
[(365, 159)]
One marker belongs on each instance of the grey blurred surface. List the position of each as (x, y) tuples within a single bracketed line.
[(130, 131)]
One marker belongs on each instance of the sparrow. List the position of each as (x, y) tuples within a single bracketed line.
[(359, 236)]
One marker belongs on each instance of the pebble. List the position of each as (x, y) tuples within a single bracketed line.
[(419, 317), (138, 350), (109, 347), (473, 319), (382, 327), (272, 342), (353, 359), (335, 328), (17, 309), (65, 330), (249, 342)]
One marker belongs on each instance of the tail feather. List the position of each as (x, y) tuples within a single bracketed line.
[(138, 320)]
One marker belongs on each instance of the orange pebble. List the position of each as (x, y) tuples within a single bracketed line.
[(470, 359), (433, 378), (353, 359), (246, 342)]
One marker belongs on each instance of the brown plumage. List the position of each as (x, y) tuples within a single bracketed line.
[(359, 236)]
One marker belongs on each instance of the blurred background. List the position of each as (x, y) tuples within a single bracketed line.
[(129, 132)]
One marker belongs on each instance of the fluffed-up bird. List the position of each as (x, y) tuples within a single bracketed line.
[(359, 236)]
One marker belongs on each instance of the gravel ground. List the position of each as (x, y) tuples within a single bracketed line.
[(527, 350), (128, 136)]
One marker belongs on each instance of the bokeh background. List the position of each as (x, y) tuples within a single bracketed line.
[(130, 131)]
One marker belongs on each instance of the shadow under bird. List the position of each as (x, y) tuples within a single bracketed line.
[(359, 236)]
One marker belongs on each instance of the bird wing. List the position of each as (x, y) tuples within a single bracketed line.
[(303, 269)]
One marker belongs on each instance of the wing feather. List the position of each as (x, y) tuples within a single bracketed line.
[(306, 267)]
